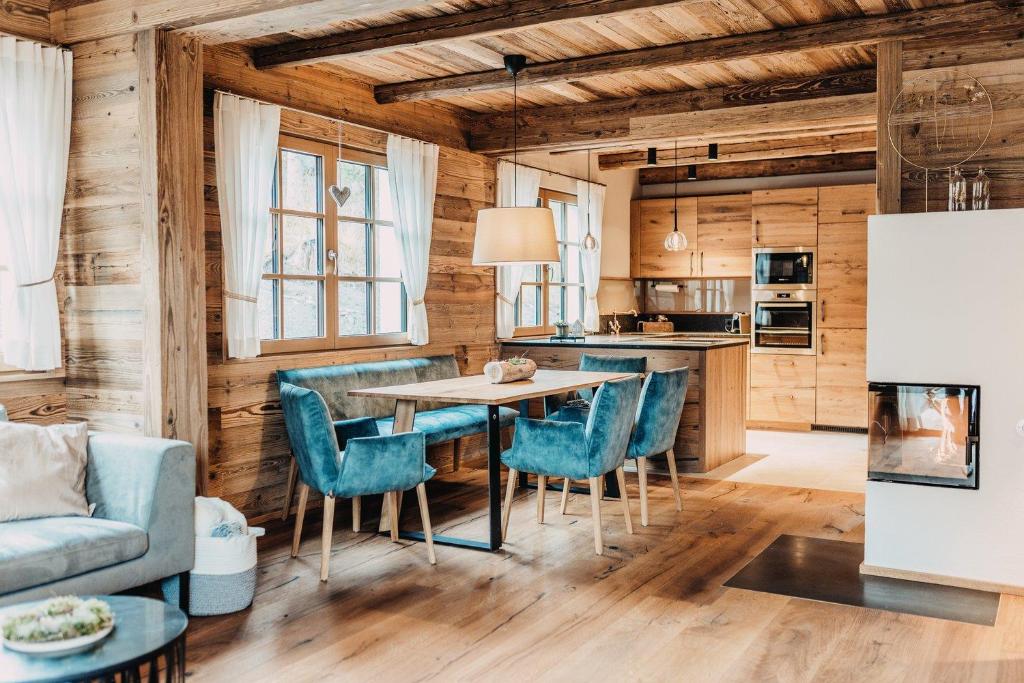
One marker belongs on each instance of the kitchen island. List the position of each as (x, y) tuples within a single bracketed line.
[(712, 430)]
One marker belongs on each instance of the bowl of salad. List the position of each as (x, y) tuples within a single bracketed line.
[(58, 626)]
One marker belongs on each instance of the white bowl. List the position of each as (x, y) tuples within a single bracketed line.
[(58, 648)]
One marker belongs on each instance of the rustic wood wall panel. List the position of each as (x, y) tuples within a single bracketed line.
[(26, 19), (248, 445), (38, 401), (102, 239), (1003, 154)]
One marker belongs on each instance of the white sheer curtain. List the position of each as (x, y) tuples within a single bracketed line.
[(245, 137), (590, 200), (517, 186), (412, 174), (35, 132)]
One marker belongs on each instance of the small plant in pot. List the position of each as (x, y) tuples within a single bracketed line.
[(561, 329)]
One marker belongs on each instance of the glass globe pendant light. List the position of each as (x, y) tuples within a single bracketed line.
[(589, 242), (675, 241)]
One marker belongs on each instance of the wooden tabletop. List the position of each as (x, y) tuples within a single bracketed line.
[(479, 390)]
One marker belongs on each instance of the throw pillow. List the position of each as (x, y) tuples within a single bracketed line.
[(42, 470)]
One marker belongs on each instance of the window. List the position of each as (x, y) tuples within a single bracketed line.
[(331, 279), (555, 293), (4, 282)]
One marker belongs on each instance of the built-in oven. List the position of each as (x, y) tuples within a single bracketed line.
[(785, 268), (784, 321)]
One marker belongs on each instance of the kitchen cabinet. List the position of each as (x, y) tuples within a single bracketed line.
[(723, 236), (785, 218), (843, 255), (717, 231), (652, 222), (842, 389), (782, 389)]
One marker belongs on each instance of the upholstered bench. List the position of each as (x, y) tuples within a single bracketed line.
[(438, 422)]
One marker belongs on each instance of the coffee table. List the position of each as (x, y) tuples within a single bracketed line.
[(145, 631)]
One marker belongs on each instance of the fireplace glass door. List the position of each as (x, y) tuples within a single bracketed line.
[(924, 434)]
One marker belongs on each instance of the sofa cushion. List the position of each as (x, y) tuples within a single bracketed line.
[(42, 470), (37, 551), (452, 422), (333, 382)]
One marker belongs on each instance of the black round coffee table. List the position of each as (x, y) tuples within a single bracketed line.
[(145, 631)]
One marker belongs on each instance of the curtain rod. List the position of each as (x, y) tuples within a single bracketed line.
[(544, 170), (304, 112), (44, 43)]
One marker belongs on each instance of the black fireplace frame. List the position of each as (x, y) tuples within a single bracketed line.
[(973, 433)]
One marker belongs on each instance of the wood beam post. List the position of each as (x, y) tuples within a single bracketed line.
[(888, 182), (173, 242), (764, 168)]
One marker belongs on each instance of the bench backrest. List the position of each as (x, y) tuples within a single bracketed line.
[(333, 382)]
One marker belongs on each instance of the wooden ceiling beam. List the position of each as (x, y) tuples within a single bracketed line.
[(818, 145), (607, 122), (213, 21), (933, 23), (504, 18), (764, 168)]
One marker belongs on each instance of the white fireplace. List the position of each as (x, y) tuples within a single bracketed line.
[(946, 308)]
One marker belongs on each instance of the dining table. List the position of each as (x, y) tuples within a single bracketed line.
[(478, 390)]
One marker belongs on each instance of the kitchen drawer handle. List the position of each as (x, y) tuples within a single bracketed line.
[(822, 310), (702, 263), (691, 263)]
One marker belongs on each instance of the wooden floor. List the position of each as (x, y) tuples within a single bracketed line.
[(546, 608)]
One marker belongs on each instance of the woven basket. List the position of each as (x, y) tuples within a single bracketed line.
[(224, 577)]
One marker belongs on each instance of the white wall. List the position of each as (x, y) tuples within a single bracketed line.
[(944, 305)]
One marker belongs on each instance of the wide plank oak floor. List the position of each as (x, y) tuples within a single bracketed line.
[(653, 608)]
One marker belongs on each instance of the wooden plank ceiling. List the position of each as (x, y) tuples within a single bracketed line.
[(463, 37)]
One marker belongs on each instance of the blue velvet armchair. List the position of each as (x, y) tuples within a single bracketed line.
[(577, 451), (554, 406), (349, 459), (654, 430)]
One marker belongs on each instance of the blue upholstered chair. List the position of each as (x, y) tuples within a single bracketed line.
[(349, 461), (576, 451), (554, 406), (654, 431)]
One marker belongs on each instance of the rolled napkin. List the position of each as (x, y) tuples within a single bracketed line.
[(502, 371)]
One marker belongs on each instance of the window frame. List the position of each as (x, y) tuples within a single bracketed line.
[(331, 220), (546, 326)]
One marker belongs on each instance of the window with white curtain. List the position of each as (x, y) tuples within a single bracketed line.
[(3, 283), (327, 288)]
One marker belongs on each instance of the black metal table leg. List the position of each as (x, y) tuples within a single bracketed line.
[(524, 411), (494, 475)]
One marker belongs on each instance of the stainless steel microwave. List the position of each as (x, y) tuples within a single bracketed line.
[(784, 321), (785, 268)]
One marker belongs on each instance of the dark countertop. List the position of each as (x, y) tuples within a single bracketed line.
[(654, 340)]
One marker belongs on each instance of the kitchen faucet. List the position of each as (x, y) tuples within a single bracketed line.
[(614, 326)]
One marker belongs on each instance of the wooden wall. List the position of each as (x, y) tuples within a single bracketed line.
[(997, 61), (249, 452), (102, 237), (26, 18)]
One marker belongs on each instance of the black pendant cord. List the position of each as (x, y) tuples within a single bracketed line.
[(515, 139), (675, 186)]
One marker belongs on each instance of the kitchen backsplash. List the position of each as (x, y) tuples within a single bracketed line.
[(683, 322)]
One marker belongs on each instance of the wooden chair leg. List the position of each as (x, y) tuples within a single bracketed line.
[(289, 492), (675, 479), (620, 476), (392, 498), (326, 538), (542, 487), (641, 470), (300, 515), (565, 495), (510, 490), (385, 512), (595, 507), (357, 513), (428, 533)]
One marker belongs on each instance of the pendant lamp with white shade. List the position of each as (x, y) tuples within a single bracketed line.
[(515, 235)]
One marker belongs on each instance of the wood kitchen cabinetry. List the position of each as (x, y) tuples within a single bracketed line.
[(842, 393), (717, 231), (782, 389), (785, 218)]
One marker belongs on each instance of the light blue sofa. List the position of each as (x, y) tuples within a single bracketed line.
[(141, 531)]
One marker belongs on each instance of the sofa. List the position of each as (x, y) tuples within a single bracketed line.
[(438, 422), (141, 529)]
